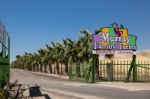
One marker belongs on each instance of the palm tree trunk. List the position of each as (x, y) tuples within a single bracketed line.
[(38, 68), (33, 68), (57, 66), (66, 68), (78, 68), (54, 68), (41, 68), (50, 68), (23, 67), (61, 69), (45, 69)]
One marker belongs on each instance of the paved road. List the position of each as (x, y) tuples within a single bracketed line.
[(78, 89)]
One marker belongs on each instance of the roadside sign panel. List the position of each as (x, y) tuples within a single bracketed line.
[(114, 40)]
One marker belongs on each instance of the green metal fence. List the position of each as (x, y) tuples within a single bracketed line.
[(118, 71), (4, 71), (4, 56), (79, 71), (84, 71), (143, 71), (111, 70)]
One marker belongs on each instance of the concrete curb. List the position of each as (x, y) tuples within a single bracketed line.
[(52, 75)]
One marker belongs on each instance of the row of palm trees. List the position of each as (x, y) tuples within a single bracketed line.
[(56, 56)]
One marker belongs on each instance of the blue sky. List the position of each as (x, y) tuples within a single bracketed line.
[(34, 23)]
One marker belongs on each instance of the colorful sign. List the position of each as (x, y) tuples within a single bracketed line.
[(114, 40)]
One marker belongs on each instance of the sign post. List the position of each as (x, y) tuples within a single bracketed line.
[(93, 67)]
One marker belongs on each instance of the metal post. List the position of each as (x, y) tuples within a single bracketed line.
[(93, 67), (134, 69), (110, 71), (9, 57)]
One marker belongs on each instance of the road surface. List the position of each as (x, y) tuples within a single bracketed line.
[(66, 89)]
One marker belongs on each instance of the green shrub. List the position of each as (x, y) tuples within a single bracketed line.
[(2, 95)]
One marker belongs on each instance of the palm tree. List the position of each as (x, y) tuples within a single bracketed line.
[(49, 57), (30, 61), (71, 53), (84, 51), (33, 61), (18, 63), (57, 54), (36, 62), (28, 58), (86, 43), (56, 51), (65, 61), (60, 55), (41, 53)]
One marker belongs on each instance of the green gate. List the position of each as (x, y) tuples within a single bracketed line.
[(79, 71), (84, 71)]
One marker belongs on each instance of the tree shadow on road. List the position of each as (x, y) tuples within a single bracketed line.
[(35, 92), (46, 96)]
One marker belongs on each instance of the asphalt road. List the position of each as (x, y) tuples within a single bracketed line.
[(77, 89)]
